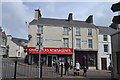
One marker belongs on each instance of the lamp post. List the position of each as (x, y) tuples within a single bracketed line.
[(39, 47)]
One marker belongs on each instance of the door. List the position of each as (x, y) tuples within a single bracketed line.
[(104, 63), (49, 61), (54, 58)]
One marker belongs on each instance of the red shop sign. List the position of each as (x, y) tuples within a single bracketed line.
[(67, 51)]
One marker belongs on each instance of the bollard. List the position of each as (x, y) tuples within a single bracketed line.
[(15, 69), (61, 70), (41, 70)]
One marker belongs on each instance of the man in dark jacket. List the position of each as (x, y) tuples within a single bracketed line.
[(66, 68)]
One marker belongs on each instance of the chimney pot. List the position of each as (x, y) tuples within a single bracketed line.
[(37, 14), (70, 17)]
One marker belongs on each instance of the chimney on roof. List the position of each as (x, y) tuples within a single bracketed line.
[(70, 17), (37, 14), (89, 19)]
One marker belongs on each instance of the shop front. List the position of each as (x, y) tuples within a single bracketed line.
[(50, 55), (86, 58)]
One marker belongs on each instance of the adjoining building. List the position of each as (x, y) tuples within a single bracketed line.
[(64, 38), (104, 47), (3, 42), (116, 55), (16, 47)]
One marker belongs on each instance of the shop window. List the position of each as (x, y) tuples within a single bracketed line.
[(91, 60)]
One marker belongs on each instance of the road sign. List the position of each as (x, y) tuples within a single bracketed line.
[(116, 19), (115, 7)]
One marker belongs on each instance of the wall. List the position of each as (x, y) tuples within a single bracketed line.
[(115, 51), (53, 37), (101, 53)]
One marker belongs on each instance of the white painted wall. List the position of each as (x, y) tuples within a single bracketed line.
[(53, 37), (101, 53), (13, 48)]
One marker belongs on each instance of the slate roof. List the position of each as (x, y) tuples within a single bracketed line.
[(19, 41), (106, 30), (61, 23)]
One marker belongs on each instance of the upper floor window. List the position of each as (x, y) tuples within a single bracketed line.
[(77, 31), (66, 31), (105, 38), (105, 48), (66, 42), (89, 32), (78, 43), (40, 29), (90, 43)]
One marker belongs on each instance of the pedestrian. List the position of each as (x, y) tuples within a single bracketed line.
[(84, 71), (57, 65), (77, 68), (74, 70), (66, 68)]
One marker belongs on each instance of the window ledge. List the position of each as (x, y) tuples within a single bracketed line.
[(66, 34), (77, 35), (90, 36)]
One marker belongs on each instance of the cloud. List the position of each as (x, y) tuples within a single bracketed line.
[(15, 14), (60, 0)]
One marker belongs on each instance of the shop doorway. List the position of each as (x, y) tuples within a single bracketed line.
[(51, 60), (104, 63)]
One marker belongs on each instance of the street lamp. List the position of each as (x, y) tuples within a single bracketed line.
[(39, 47)]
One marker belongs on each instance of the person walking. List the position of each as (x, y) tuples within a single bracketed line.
[(77, 68), (66, 68), (57, 65), (84, 71)]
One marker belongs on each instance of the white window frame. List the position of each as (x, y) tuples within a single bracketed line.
[(78, 31), (90, 32), (66, 42), (78, 43), (90, 44), (65, 30), (40, 29), (105, 38), (105, 50)]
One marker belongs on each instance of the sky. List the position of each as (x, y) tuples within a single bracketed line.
[(14, 15)]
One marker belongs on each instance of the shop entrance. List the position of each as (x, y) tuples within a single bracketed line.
[(51, 60)]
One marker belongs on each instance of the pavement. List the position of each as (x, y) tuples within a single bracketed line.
[(49, 73)]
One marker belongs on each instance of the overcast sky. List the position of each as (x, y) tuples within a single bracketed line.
[(15, 14)]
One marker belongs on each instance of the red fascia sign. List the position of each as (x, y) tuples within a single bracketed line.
[(61, 51)]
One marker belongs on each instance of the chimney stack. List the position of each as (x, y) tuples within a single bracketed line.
[(89, 19), (37, 14), (70, 17)]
